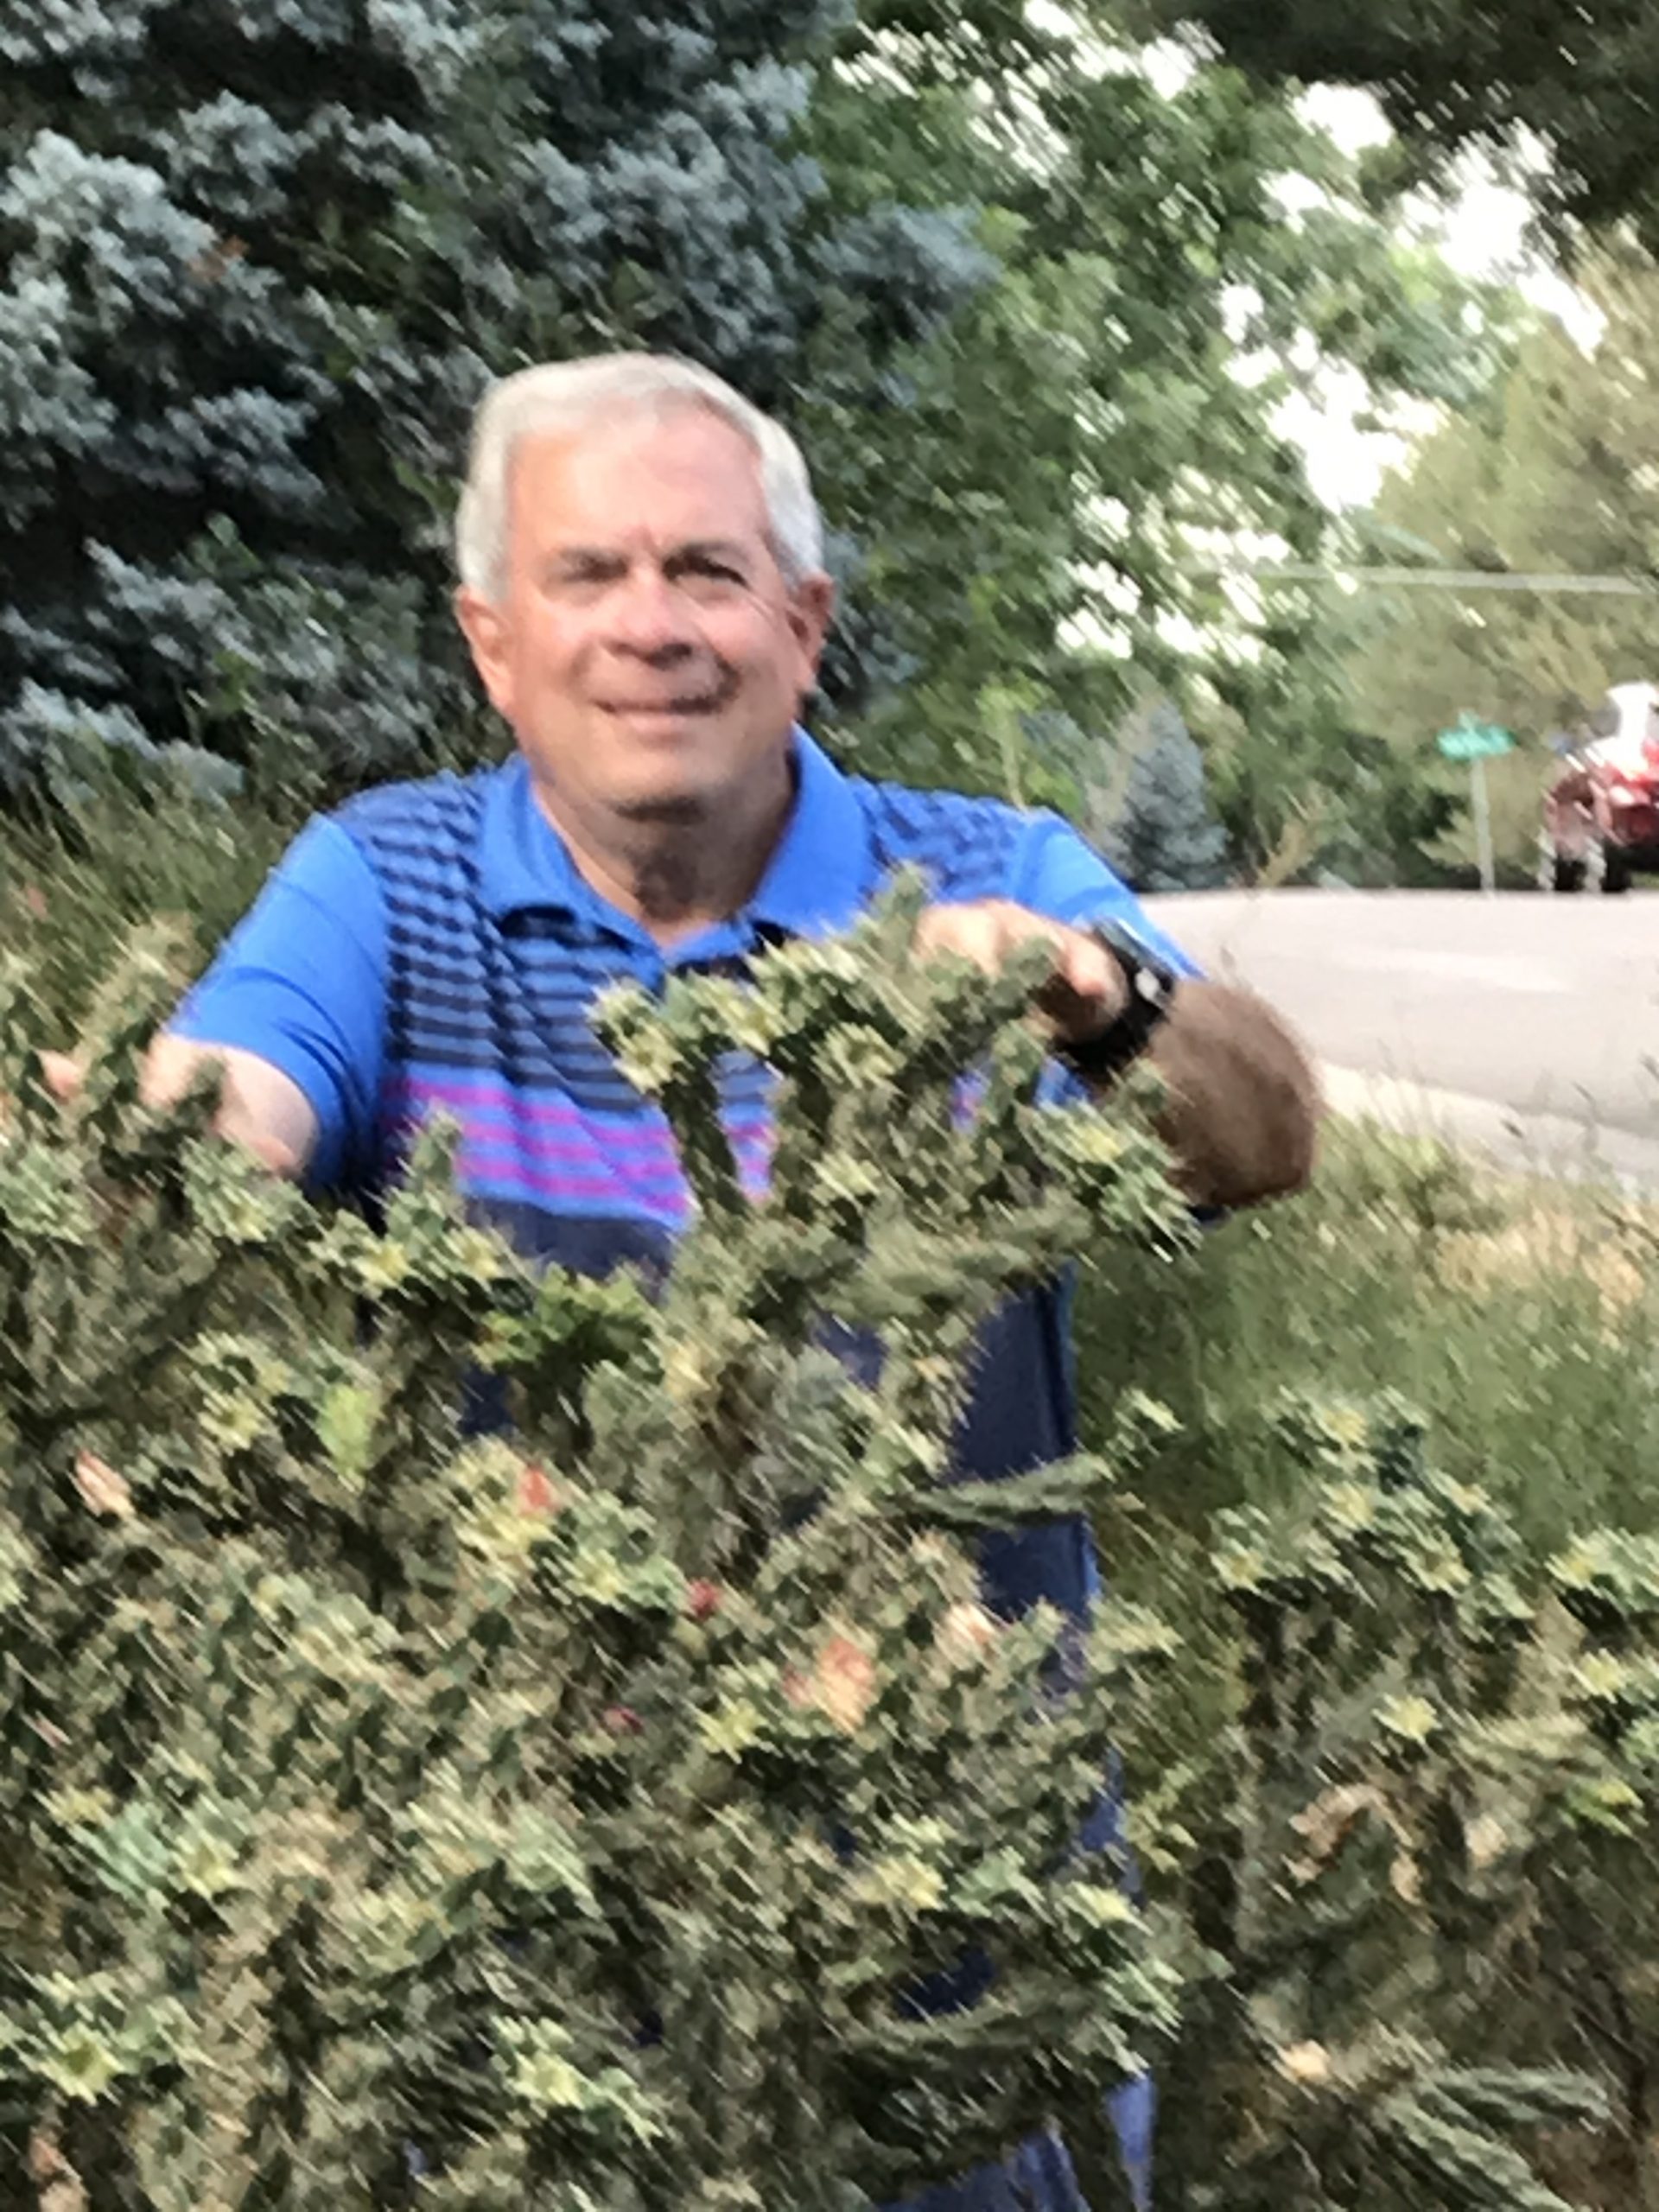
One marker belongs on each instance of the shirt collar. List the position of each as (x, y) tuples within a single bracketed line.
[(815, 882), (523, 862), (819, 878)]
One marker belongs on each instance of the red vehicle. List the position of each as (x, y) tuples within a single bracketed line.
[(1601, 814)]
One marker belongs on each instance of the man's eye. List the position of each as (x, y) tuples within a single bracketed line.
[(583, 575), (707, 571)]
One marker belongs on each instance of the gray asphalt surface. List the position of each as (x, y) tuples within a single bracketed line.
[(1525, 1023)]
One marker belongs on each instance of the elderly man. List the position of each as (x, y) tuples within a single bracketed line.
[(642, 588)]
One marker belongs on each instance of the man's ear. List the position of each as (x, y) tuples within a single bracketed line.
[(485, 629), (811, 607)]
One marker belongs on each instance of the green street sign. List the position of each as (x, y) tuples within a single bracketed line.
[(1474, 740)]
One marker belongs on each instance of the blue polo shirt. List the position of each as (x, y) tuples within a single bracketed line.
[(432, 948)]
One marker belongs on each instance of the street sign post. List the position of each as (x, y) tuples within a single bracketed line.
[(1478, 742)]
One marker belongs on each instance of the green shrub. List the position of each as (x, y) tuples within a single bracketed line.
[(1525, 1316), (583, 1808), (579, 1808)]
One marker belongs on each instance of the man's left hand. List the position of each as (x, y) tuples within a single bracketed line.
[(1083, 995)]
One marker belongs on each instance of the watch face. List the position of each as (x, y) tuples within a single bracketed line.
[(1146, 979), (1156, 985)]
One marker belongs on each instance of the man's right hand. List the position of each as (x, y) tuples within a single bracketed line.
[(63, 1074), (260, 1108)]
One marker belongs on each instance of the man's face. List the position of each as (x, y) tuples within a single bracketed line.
[(643, 644)]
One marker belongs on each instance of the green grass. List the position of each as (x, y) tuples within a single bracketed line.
[(1521, 1318), (73, 891)]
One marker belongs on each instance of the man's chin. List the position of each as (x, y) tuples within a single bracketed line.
[(673, 799), (667, 808)]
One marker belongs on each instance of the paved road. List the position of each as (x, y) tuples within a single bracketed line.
[(1529, 1025)]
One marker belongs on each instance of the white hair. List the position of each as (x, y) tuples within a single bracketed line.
[(570, 396)]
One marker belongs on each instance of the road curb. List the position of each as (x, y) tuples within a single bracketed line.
[(1565, 1148)]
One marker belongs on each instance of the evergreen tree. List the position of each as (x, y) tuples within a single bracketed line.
[(1164, 836), (257, 258), (1302, 783)]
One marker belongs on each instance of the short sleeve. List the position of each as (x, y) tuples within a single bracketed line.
[(1059, 875), (302, 982)]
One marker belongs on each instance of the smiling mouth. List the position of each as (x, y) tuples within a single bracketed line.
[(660, 709)]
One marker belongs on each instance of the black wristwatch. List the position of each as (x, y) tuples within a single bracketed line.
[(1149, 989)]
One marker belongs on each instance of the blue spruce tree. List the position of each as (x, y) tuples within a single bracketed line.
[(258, 257), (1164, 836)]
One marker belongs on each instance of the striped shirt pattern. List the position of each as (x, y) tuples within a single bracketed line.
[(488, 1018)]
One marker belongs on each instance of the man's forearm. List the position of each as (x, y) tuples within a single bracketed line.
[(260, 1108), (1242, 1105), (1242, 1108)]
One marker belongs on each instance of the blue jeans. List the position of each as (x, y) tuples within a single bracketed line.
[(1038, 2176)]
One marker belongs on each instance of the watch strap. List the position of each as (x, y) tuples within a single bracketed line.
[(1149, 989)]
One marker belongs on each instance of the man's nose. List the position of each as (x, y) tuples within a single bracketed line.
[(649, 618)]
